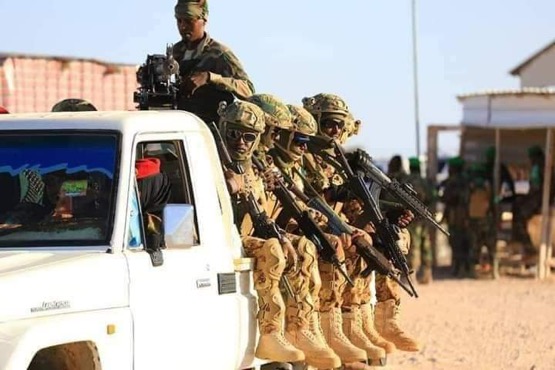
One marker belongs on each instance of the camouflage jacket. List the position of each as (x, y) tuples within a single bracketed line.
[(224, 67)]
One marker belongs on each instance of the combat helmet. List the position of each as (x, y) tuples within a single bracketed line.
[(277, 115), (242, 115), (289, 143), (328, 106), (303, 121), (73, 105)]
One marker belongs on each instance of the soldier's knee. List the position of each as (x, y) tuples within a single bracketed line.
[(273, 252)]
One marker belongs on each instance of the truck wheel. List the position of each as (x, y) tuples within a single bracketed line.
[(277, 366), (80, 355)]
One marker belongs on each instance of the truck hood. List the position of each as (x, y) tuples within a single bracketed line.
[(34, 284)]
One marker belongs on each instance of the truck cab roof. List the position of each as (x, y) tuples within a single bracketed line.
[(128, 122)]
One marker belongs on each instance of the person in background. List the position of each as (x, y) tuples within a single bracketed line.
[(73, 105)]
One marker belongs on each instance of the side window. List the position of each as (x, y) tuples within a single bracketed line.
[(174, 166)]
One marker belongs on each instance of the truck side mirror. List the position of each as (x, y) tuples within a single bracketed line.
[(179, 225)]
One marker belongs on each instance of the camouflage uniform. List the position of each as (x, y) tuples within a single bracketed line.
[(269, 257), (227, 78), (328, 108), (331, 110), (301, 309), (455, 197), (287, 153), (420, 254), (480, 213)]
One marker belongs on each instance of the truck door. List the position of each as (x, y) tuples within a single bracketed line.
[(185, 312)]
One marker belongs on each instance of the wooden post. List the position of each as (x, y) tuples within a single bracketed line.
[(431, 175), (496, 186), (545, 246)]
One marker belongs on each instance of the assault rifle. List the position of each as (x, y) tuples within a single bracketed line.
[(403, 193), (374, 259), (386, 232), (306, 223), (264, 227)]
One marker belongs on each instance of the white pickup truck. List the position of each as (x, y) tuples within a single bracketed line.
[(78, 290)]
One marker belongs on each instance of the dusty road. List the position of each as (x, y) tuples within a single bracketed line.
[(481, 324)]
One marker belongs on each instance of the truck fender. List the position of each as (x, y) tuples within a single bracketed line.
[(104, 336)]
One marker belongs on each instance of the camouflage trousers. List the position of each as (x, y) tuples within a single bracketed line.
[(420, 253), (360, 293), (482, 232), (269, 265), (332, 282), (300, 307), (386, 288)]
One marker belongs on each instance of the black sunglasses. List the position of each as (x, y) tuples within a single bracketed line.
[(234, 134), (301, 138), (329, 123)]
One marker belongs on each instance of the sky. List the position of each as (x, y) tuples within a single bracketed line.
[(358, 49)]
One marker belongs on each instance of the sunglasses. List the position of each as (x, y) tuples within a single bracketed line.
[(234, 134), (300, 138), (331, 123)]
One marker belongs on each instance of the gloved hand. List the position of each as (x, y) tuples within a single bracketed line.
[(234, 181)]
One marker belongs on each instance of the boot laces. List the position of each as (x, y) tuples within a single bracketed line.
[(309, 335), (281, 339)]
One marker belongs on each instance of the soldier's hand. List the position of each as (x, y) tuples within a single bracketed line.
[(234, 182), (291, 257), (346, 240), (195, 80), (358, 233), (405, 218), (318, 216), (271, 177)]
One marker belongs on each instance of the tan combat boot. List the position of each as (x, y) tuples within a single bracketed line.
[(272, 344), (332, 327), (367, 313), (386, 321), (317, 353), (274, 347), (352, 327)]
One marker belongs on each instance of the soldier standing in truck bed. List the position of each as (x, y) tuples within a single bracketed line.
[(210, 71)]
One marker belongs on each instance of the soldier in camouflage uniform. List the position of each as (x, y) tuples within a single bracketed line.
[(73, 105), (210, 71), (420, 253), (327, 292), (455, 197), (302, 310), (242, 124), (277, 118), (481, 226), (335, 121)]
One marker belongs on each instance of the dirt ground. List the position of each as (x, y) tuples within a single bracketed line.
[(480, 324)]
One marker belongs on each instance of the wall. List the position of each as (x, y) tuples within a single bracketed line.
[(540, 72), (35, 84)]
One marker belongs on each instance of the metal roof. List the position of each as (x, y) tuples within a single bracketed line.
[(547, 91), (516, 71)]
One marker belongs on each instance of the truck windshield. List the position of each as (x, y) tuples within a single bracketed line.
[(57, 189)]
